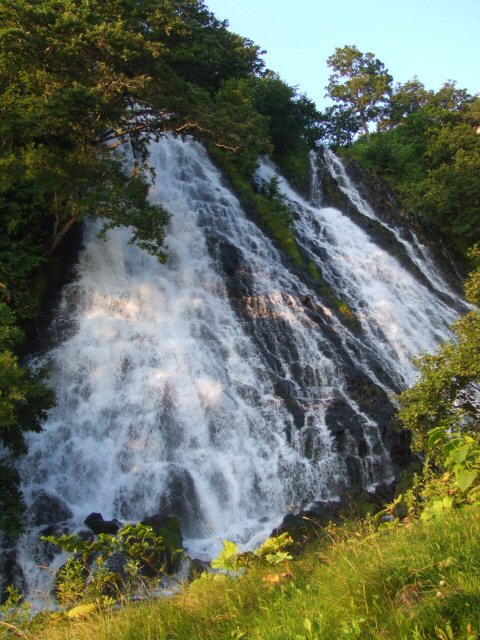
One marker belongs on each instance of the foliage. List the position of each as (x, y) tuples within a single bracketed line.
[(449, 196), (245, 129), (24, 401), (12, 508), (272, 551), (15, 614), (339, 126), (78, 79), (405, 99), (360, 82), (293, 124), (418, 582), (460, 456), (428, 150), (87, 575), (228, 558), (447, 395)]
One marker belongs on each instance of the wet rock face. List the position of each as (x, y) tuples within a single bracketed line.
[(168, 527), (47, 509), (179, 498), (10, 570), (387, 205), (44, 552)]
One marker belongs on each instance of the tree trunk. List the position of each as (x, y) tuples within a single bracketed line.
[(62, 233), (364, 125)]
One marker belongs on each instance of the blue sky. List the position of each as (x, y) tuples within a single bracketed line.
[(436, 40)]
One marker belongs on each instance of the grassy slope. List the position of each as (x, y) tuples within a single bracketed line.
[(415, 582)]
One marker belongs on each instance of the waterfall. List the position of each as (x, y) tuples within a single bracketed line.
[(219, 386), (416, 251), (399, 315)]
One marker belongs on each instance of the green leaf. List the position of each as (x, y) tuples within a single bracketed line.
[(435, 436), (226, 559), (278, 557), (465, 479), (82, 611), (437, 508), (460, 455)]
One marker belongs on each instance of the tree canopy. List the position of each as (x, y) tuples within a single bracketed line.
[(78, 78), (447, 396), (360, 82)]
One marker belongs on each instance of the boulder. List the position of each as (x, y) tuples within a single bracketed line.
[(196, 568), (168, 527), (44, 552), (309, 524), (98, 525), (179, 498)]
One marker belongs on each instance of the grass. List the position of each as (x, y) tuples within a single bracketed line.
[(415, 582)]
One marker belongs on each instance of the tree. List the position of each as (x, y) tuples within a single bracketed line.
[(405, 99), (339, 125), (360, 81), (24, 402), (77, 77), (293, 123), (450, 98)]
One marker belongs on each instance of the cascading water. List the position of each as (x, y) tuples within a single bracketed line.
[(416, 251), (400, 316), (218, 386)]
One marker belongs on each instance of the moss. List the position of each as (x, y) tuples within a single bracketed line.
[(273, 213), (315, 273), (295, 165), (345, 310)]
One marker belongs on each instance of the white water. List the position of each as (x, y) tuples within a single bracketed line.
[(416, 251), (167, 386), (400, 316)]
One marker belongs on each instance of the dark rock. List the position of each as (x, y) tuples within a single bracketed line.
[(197, 567), (45, 552), (307, 301), (179, 498), (354, 470), (86, 536), (116, 563), (54, 530), (168, 527), (309, 524), (387, 518), (58, 273), (97, 524), (47, 509), (10, 571)]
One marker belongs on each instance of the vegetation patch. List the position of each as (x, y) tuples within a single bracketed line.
[(367, 581)]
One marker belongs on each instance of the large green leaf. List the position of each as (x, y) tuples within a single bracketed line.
[(466, 478), (435, 436)]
